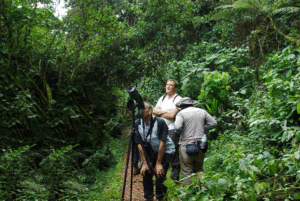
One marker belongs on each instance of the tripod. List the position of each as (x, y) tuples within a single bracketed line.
[(131, 145)]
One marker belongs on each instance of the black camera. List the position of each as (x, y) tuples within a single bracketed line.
[(135, 96), (135, 101)]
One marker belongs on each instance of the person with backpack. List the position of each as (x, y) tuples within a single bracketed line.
[(158, 147), (167, 109)]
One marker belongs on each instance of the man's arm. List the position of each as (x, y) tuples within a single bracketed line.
[(210, 122), (170, 114), (161, 151), (179, 123), (145, 167), (157, 111)]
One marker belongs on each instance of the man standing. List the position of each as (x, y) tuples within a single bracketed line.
[(158, 147), (192, 123), (166, 109)]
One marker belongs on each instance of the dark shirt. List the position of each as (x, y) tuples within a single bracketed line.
[(159, 132)]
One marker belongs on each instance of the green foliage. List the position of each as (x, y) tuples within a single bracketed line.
[(62, 90), (244, 171), (275, 111), (214, 107), (215, 86), (263, 119), (265, 21), (56, 174), (62, 81)]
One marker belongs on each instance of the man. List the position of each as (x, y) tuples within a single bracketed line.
[(158, 146), (192, 123), (166, 109)]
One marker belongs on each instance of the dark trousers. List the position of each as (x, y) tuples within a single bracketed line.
[(135, 157), (148, 178), (175, 162)]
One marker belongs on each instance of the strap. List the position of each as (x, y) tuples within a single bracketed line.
[(170, 135), (150, 129), (175, 98), (163, 97), (174, 134), (166, 95)]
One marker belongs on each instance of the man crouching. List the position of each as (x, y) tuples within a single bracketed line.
[(158, 146)]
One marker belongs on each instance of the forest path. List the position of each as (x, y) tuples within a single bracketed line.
[(137, 182)]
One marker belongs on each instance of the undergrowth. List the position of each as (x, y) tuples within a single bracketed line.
[(110, 182), (59, 174)]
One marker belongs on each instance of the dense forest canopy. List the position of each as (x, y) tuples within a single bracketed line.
[(63, 91)]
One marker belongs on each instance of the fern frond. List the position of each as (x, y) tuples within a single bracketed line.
[(250, 4), (279, 3), (287, 11), (222, 12), (209, 109), (223, 7), (265, 7), (221, 15)]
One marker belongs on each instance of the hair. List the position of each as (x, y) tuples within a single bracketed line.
[(150, 106), (173, 81)]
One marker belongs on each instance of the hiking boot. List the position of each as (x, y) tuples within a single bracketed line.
[(136, 171)]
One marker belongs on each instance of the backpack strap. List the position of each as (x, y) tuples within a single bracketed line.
[(165, 97), (175, 98)]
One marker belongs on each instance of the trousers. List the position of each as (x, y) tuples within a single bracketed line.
[(190, 164), (175, 162), (148, 178)]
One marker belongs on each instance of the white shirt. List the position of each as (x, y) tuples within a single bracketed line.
[(166, 105)]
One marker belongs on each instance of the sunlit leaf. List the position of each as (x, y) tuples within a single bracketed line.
[(222, 183)]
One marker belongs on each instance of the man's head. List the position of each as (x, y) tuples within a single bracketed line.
[(185, 102), (171, 87), (148, 110)]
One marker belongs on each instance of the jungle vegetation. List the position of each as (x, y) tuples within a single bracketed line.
[(63, 92)]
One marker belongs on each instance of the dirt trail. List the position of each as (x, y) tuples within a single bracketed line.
[(137, 183)]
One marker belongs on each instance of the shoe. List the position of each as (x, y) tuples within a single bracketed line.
[(136, 172)]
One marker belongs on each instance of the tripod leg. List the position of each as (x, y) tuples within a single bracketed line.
[(126, 167), (132, 150)]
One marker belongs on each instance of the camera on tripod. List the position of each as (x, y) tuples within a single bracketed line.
[(135, 101)]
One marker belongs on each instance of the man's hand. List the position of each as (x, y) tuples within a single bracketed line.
[(144, 169), (159, 169)]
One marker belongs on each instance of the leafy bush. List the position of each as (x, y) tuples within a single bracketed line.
[(264, 120), (244, 171), (48, 174)]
